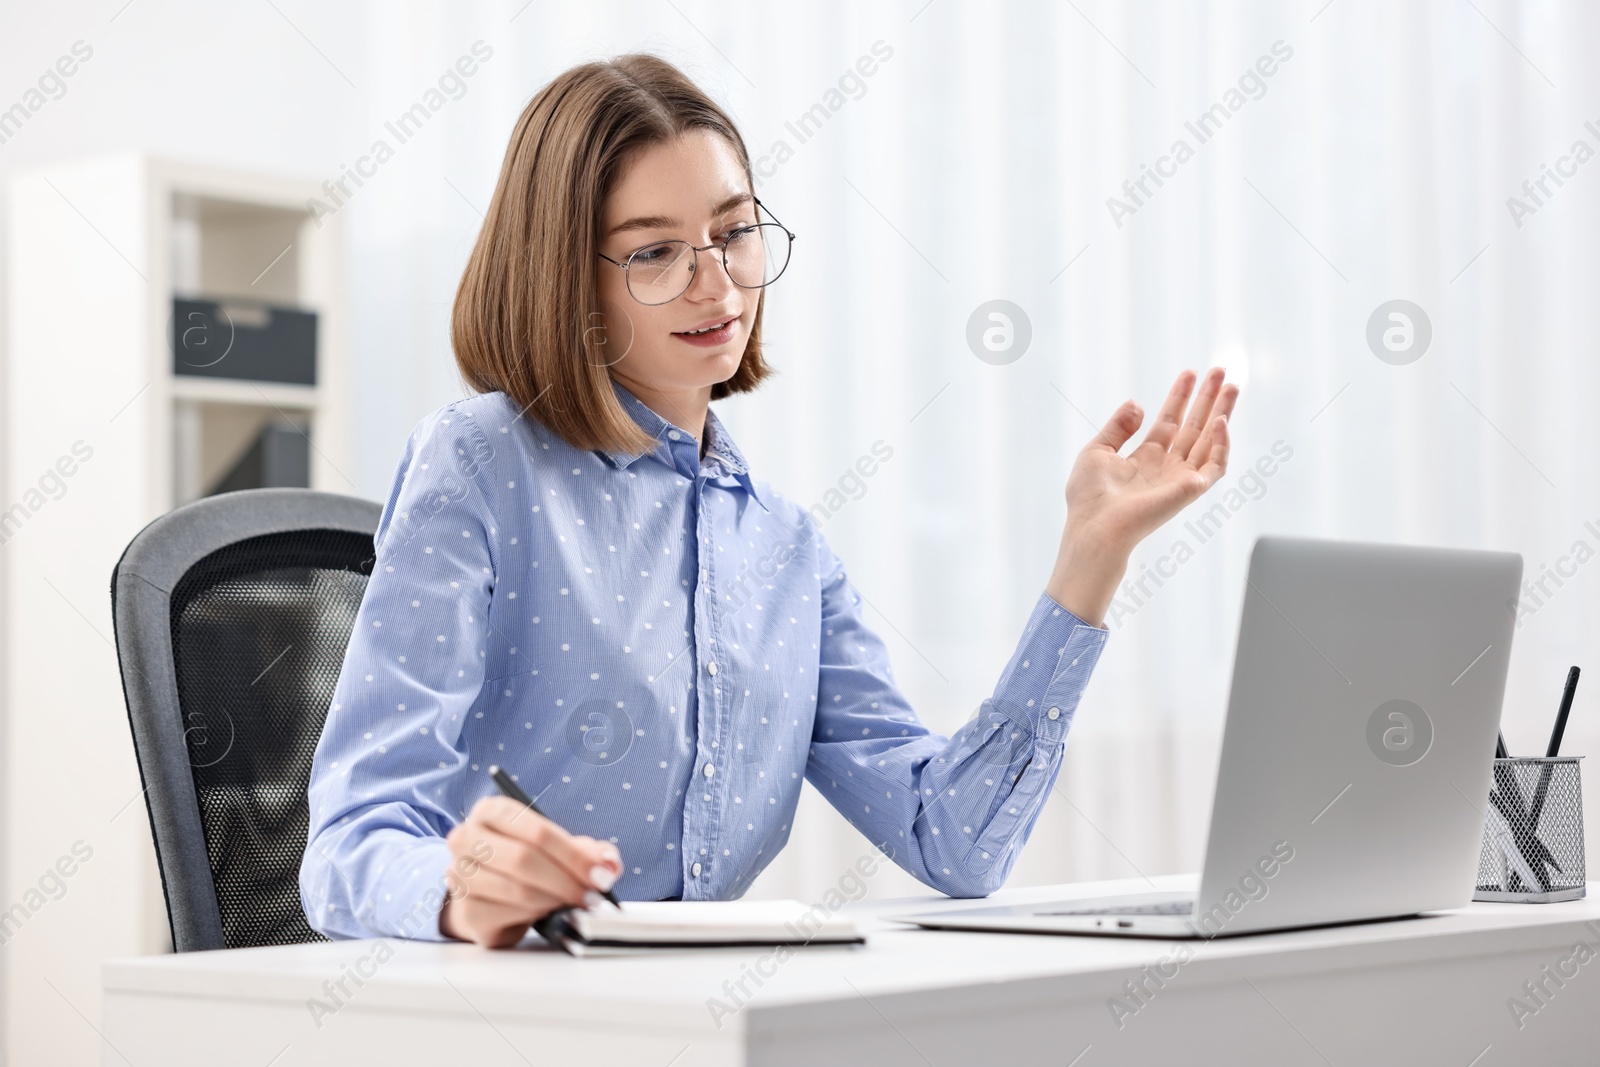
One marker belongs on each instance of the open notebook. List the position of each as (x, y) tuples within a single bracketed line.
[(642, 926)]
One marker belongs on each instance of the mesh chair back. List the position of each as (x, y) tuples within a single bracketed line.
[(232, 615)]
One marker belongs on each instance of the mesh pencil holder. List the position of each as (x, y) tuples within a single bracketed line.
[(1533, 832)]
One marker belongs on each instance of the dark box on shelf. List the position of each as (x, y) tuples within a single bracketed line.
[(243, 340), (280, 457)]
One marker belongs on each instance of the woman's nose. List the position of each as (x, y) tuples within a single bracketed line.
[(711, 278)]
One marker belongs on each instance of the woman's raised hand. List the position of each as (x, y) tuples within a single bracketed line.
[(1114, 501)]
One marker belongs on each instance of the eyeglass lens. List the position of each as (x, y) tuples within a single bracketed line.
[(756, 255)]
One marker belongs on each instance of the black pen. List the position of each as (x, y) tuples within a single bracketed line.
[(1561, 715), (1554, 750), (514, 791)]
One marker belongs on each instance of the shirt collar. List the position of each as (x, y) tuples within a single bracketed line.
[(721, 447)]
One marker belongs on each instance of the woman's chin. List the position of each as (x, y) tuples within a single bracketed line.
[(727, 357)]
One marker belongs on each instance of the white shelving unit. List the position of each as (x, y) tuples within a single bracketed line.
[(102, 437)]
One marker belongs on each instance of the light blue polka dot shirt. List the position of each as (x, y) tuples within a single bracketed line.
[(659, 649)]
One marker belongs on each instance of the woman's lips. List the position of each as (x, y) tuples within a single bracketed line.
[(711, 338)]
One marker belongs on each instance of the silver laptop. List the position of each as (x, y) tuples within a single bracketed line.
[(1356, 757)]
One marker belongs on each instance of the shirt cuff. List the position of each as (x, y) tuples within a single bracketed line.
[(407, 903), (1043, 682)]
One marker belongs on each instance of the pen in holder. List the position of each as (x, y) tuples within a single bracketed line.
[(1533, 832)]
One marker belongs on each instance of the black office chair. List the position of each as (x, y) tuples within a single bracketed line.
[(232, 615)]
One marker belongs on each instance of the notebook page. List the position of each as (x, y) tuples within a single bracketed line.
[(711, 920)]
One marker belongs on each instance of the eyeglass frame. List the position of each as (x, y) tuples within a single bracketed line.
[(696, 250)]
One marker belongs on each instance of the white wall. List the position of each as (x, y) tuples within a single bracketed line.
[(976, 165)]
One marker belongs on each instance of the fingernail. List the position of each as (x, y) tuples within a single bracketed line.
[(591, 899), (602, 876), (611, 853)]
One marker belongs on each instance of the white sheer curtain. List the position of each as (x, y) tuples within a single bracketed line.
[(975, 163)]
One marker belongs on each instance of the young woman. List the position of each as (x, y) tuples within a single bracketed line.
[(579, 579)]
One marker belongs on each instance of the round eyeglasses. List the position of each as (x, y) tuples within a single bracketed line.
[(754, 257)]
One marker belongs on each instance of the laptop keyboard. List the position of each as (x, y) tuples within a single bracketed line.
[(1165, 907)]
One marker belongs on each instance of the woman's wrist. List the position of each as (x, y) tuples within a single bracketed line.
[(445, 926), (1089, 567)]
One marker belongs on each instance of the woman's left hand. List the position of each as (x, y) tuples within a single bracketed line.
[(1114, 501)]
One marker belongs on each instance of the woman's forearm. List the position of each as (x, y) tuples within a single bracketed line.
[(1089, 567)]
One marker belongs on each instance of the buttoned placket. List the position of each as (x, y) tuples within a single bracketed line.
[(706, 722), (702, 793)]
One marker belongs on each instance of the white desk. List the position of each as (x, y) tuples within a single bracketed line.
[(1431, 990)]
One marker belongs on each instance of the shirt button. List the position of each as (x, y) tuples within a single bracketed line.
[(710, 770), (675, 435), (711, 667), (1054, 713), (704, 576), (695, 870)]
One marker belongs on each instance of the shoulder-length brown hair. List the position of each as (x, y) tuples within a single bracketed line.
[(526, 314)]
